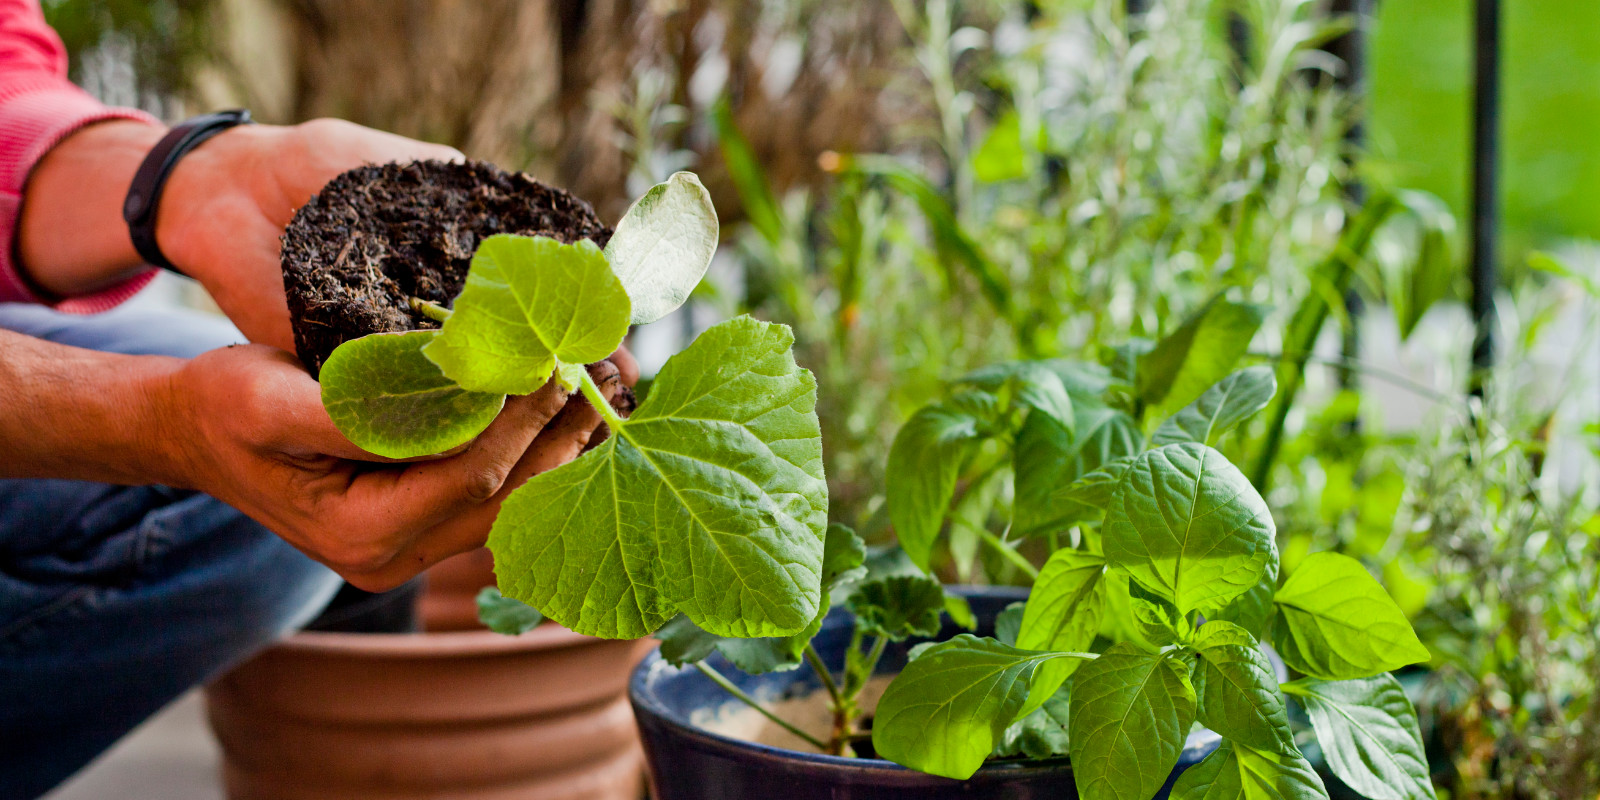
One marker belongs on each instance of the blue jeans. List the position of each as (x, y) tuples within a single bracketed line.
[(115, 599)]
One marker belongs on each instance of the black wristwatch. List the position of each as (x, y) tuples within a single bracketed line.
[(144, 196)]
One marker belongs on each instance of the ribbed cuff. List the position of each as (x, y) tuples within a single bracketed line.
[(36, 113)]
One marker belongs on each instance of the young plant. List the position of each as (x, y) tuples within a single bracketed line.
[(708, 500), (1161, 582)]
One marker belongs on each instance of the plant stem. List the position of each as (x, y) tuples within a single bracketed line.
[(432, 311), (718, 678), (815, 660), (1009, 553), (598, 400)]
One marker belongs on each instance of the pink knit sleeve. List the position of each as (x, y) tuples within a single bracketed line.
[(39, 108)]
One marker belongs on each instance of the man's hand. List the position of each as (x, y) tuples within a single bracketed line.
[(257, 438), (228, 202)]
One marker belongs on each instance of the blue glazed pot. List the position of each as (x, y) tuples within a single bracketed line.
[(689, 763)]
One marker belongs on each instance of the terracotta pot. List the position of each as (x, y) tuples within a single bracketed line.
[(542, 716), (450, 601)]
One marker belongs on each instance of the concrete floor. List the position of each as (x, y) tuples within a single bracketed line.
[(171, 756)]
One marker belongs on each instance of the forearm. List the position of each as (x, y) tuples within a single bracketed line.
[(71, 239), (86, 415)]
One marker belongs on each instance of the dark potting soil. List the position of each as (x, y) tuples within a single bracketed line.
[(376, 236)]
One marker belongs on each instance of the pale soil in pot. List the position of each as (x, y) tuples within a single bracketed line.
[(808, 712)]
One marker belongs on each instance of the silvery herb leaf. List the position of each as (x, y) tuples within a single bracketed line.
[(1040, 734), (528, 302), (1237, 772), (683, 642), (663, 245), (1335, 622), (501, 614), (1368, 732), (1198, 354), (387, 398), (1048, 456), (1232, 400), (898, 607), (709, 500), (1129, 717), (1187, 525), (924, 462), (946, 711), (1237, 691)]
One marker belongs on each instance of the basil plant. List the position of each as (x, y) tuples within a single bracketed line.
[(1159, 583), (708, 500)]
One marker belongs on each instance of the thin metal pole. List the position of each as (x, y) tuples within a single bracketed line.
[(1485, 177), (1351, 50)]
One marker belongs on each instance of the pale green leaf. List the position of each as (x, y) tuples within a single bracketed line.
[(960, 611), (1032, 383), (1065, 605), (1092, 493), (1369, 734), (1008, 623), (1335, 622), (1129, 717), (501, 614), (387, 398), (1199, 353), (1157, 619), (708, 500), (663, 245), (1231, 401), (1237, 691), (924, 462), (528, 301), (1237, 772), (1042, 733), (1253, 610), (946, 711), (1186, 524), (1047, 457)]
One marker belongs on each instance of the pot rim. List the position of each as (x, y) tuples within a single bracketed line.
[(645, 704), (441, 644)]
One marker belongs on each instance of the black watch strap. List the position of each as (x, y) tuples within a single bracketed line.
[(144, 195)]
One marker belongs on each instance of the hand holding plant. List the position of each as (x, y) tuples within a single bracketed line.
[(708, 500)]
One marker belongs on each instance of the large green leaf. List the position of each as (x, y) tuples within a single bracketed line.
[(1231, 401), (1237, 691), (1335, 622), (1198, 354), (683, 642), (944, 713), (708, 500), (1369, 734), (527, 302), (924, 463), (387, 398), (1048, 456), (1237, 772), (663, 245), (1187, 525), (1130, 715), (899, 606)]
